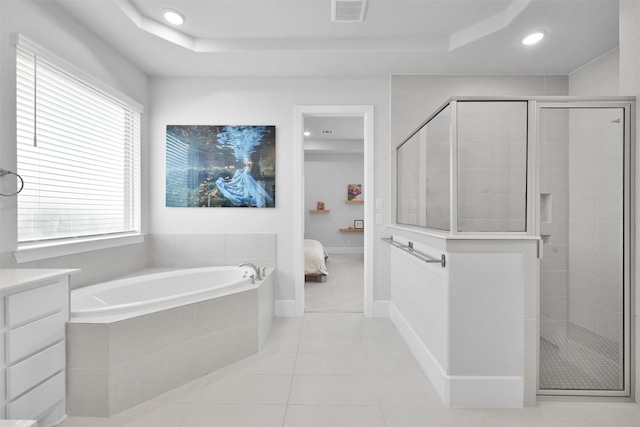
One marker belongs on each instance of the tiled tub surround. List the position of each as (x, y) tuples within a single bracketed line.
[(112, 366), (173, 250)]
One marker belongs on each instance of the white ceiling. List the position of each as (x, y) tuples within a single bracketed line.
[(334, 135), (297, 37)]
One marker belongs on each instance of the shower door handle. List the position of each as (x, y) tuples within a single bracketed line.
[(540, 248)]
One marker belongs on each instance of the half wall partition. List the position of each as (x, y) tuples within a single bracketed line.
[(557, 171)]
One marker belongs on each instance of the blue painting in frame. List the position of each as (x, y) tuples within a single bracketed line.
[(221, 166)]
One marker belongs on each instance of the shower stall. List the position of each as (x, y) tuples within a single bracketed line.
[(585, 223), (556, 169)]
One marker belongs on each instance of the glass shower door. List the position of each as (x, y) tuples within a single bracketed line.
[(584, 273)]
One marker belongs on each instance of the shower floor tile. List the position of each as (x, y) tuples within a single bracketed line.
[(575, 358)]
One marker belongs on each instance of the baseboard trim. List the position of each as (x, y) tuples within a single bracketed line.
[(485, 391), (460, 391), (431, 367)]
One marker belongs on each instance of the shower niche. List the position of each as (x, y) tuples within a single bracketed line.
[(555, 170)]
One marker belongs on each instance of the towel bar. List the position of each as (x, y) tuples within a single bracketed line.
[(409, 249)]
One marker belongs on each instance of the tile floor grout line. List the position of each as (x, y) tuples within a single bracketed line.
[(293, 373)]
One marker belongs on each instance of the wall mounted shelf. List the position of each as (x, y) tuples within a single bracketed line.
[(352, 230), (354, 201), (320, 211)]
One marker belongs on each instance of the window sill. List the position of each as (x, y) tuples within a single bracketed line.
[(35, 252)]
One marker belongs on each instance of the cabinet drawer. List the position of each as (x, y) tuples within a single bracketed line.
[(27, 305), (28, 373), (34, 336), (33, 404)]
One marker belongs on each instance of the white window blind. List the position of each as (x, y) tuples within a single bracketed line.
[(78, 153)]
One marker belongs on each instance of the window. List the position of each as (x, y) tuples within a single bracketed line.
[(78, 153)]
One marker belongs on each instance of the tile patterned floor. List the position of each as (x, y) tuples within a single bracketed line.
[(575, 358), (334, 370)]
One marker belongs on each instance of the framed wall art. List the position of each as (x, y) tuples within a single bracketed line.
[(221, 166), (354, 192)]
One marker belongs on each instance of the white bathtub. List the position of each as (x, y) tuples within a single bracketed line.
[(157, 290), (132, 339)]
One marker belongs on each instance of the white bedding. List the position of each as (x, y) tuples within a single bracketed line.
[(314, 256)]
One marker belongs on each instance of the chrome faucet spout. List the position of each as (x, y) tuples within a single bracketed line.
[(256, 269)]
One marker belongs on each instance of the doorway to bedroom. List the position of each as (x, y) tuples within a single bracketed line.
[(334, 214)]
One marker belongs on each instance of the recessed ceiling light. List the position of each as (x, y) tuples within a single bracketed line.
[(173, 17), (307, 133), (533, 38)]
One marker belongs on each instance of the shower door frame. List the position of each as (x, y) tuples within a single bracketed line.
[(567, 103)]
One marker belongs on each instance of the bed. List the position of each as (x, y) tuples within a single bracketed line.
[(315, 268)]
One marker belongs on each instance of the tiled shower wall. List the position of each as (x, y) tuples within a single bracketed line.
[(492, 157), (492, 166), (595, 243), (581, 221), (554, 215)]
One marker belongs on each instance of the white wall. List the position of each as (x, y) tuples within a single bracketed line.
[(599, 77), (414, 98), (257, 101), (44, 24), (327, 176)]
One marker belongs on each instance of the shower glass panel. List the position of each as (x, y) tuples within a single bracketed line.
[(582, 279), (423, 175), (492, 166)]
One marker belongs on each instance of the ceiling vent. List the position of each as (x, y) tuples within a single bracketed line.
[(348, 10)]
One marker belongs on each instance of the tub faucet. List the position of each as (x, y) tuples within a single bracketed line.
[(256, 269)]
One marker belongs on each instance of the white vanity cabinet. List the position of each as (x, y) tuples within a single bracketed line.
[(33, 315)]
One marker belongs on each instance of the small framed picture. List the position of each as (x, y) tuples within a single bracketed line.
[(354, 192), (358, 224)]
